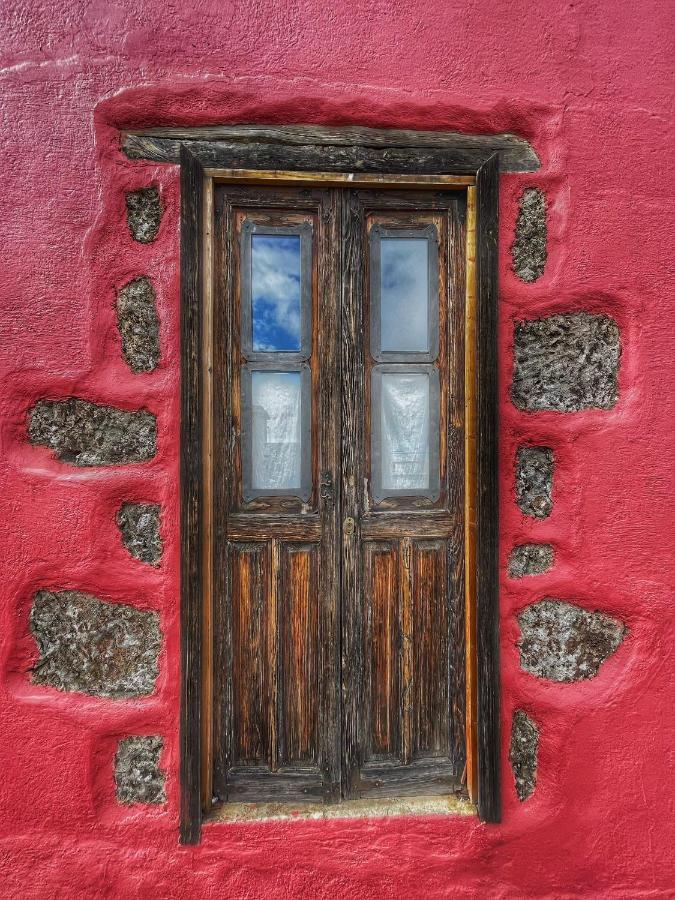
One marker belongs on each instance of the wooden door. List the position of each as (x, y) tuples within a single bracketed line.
[(276, 559), (338, 494), (403, 477)]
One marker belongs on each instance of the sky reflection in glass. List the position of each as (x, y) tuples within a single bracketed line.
[(404, 315), (275, 283)]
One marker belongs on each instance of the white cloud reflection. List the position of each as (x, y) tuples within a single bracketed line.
[(404, 294), (275, 282)]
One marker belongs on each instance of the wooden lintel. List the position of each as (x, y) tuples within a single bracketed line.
[(308, 147)]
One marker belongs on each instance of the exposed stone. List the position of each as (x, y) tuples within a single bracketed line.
[(523, 753), (566, 363), (534, 481), (563, 642), (138, 325), (144, 214), (139, 526), (530, 559), (138, 777), (528, 250), (104, 649), (86, 434)]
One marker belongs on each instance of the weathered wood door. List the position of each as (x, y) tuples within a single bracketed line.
[(338, 493)]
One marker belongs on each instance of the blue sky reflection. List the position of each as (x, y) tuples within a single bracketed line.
[(275, 281)]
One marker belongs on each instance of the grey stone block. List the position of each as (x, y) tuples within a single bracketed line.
[(103, 649), (144, 214), (139, 526), (138, 778), (530, 559), (523, 754), (534, 481), (528, 250), (563, 642), (138, 325), (566, 363), (86, 434)]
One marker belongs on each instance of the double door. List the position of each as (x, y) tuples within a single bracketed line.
[(338, 364)]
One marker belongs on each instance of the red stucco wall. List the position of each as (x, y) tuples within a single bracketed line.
[(587, 84)]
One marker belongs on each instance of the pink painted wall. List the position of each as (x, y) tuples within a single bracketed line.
[(587, 83)]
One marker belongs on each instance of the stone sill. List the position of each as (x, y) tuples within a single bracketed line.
[(350, 809)]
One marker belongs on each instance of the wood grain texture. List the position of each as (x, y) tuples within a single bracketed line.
[(517, 154), (253, 645), (191, 496), (429, 649), (487, 500), (289, 744), (381, 649), (299, 679)]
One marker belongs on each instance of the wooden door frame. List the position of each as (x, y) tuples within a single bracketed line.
[(473, 169)]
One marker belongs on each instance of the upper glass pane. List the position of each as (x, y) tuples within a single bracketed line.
[(405, 430), (404, 294), (275, 290), (276, 432)]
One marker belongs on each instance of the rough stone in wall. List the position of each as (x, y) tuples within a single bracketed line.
[(139, 526), (534, 481), (138, 778), (563, 642), (138, 325), (523, 753), (98, 648), (528, 250), (144, 214), (86, 434), (530, 559), (566, 363)]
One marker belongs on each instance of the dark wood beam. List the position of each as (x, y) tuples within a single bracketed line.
[(314, 148), (487, 500), (191, 495)]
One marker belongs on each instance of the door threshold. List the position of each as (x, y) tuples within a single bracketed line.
[(347, 809)]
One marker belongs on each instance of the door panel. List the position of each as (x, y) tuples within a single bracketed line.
[(251, 632), (299, 643), (403, 487), (276, 715)]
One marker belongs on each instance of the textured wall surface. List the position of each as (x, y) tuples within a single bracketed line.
[(588, 84)]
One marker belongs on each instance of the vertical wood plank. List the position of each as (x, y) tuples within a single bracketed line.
[(456, 588), (330, 490), (222, 491), (272, 654), (191, 495), (487, 501), (351, 254), (407, 664), (470, 490), (207, 508)]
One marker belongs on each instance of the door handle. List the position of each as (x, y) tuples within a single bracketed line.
[(348, 526)]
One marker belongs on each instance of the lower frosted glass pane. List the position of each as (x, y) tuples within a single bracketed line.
[(276, 430), (405, 432)]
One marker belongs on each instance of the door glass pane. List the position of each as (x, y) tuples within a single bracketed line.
[(275, 289), (404, 294), (276, 432), (405, 431)]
